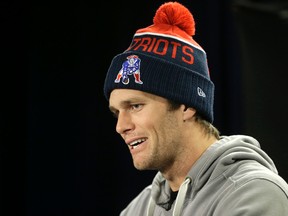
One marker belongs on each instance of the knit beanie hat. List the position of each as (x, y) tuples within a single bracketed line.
[(163, 59)]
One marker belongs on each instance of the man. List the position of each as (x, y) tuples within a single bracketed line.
[(166, 117)]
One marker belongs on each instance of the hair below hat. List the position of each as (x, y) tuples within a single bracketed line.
[(165, 60)]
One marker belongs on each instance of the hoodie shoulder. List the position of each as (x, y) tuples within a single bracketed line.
[(139, 204)]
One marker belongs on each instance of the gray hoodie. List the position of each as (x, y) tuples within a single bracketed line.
[(233, 177)]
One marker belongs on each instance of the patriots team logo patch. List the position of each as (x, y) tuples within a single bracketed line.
[(129, 67)]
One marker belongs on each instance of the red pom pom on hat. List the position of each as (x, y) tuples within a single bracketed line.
[(175, 14), (174, 19)]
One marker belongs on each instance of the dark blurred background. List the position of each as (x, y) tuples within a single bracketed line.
[(60, 154)]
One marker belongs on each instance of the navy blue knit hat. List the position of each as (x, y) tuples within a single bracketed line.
[(163, 59)]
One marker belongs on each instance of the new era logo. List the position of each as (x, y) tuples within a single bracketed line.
[(200, 92)]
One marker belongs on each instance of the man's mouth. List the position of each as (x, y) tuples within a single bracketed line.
[(136, 143)]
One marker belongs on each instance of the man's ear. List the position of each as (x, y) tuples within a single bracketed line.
[(188, 113)]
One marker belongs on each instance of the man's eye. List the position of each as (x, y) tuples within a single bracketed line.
[(136, 106)]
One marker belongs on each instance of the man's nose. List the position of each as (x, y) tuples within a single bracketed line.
[(124, 123)]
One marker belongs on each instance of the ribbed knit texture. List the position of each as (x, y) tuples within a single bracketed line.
[(163, 59)]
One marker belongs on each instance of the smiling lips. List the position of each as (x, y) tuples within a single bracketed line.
[(135, 143)]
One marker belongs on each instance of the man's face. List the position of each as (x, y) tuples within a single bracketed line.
[(151, 131)]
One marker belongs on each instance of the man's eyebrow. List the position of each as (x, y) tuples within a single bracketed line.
[(122, 104)]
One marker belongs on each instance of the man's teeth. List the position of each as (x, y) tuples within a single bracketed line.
[(135, 143)]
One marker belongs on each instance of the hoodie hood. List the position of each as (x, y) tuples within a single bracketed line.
[(219, 161), (226, 153)]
